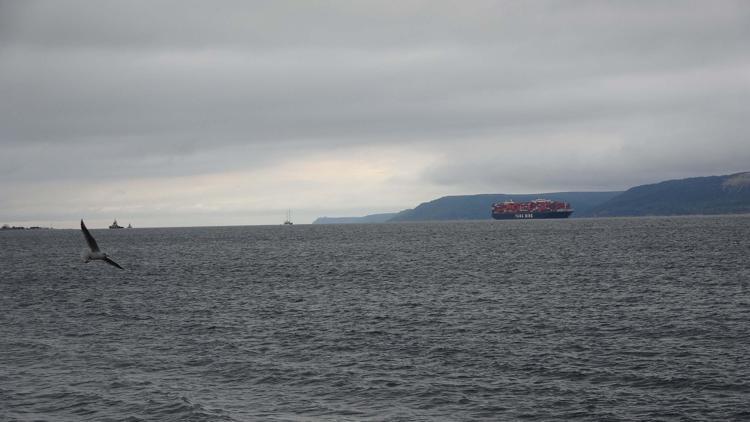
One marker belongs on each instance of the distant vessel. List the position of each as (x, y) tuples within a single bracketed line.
[(538, 208), (129, 226), (114, 225), (288, 220)]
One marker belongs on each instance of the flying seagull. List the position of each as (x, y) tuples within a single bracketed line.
[(94, 253)]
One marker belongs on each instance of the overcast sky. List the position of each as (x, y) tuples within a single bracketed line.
[(216, 112)]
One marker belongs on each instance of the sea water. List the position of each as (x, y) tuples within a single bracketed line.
[(586, 319)]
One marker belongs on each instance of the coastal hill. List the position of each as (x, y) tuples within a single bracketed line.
[(367, 219), (477, 207), (473, 207), (697, 195), (727, 194)]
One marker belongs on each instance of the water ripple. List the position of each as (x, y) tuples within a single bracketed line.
[(605, 319)]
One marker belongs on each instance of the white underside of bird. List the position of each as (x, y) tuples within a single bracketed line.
[(93, 253)]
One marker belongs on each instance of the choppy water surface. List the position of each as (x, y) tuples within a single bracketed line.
[(616, 319)]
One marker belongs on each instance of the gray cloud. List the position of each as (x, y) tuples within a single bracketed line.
[(613, 92)]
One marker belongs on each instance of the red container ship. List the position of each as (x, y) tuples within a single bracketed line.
[(538, 208)]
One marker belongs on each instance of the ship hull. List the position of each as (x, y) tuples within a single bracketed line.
[(530, 215)]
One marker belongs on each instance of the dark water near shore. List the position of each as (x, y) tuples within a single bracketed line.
[(602, 319)]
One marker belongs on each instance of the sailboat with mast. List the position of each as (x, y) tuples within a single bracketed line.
[(288, 221)]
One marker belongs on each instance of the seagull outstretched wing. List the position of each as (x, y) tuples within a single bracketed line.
[(110, 262), (89, 238)]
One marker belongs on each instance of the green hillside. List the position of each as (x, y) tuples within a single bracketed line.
[(697, 195), (478, 207)]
